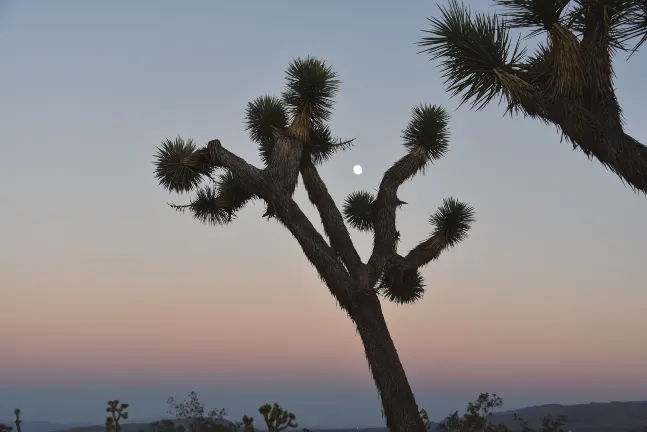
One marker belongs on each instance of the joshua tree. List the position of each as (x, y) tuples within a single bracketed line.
[(17, 421), (117, 413), (568, 81), (276, 418), (247, 424), (294, 137)]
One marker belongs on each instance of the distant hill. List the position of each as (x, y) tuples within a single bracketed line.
[(155, 426), (591, 417), (44, 426)]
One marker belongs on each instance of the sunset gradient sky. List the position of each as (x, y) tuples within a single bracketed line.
[(108, 293)]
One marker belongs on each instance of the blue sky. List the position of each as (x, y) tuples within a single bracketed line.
[(107, 290)]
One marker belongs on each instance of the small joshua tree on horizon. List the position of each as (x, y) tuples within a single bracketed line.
[(276, 418), (17, 420), (294, 137), (117, 413)]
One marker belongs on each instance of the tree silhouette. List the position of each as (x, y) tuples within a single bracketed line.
[(477, 418), (568, 81), (294, 137), (117, 413), (192, 411), (276, 418)]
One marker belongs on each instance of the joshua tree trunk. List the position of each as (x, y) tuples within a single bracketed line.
[(400, 408)]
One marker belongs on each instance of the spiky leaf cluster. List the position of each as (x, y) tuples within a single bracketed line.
[(358, 210), (539, 15), (176, 168), (428, 131), (311, 86), (452, 221), (623, 20), (472, 48), (400, 284), (323, 145), (217, 204), (262, 116)]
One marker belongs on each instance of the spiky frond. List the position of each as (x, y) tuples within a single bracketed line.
[(207, 208), (230, 190), (636, 23), (620, 20), (401, 285), (539, 15), (176, 168), (262, 115), (428, 131), (358, 210), (452, 221), (218, 204), (474, 50), (324, 145), (566, 61), (537, 65), (311, 86)]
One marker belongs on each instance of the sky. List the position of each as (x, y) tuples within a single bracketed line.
[(106, 292)]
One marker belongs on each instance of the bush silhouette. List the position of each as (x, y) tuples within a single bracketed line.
[(477, 418)]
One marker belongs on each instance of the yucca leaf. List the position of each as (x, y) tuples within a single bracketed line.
[(230, 189), (428, 130), (636, 23), (207, 207), (262, 115), (401, 285), (452, 221), (539, 15), (311, 86), (358, 210), (472, 49), (323, 143), (217, 204), (538, 64), (176, 167), (622, 20)]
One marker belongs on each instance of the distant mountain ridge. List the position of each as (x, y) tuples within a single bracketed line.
[(591, 417)]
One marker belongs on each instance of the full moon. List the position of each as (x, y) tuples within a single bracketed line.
[(357, 169)]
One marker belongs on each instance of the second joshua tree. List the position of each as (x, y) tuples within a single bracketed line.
[(293, 136)]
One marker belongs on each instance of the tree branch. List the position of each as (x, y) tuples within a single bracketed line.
[(331, 217), (318, 252), (314, 246), (597, 136), (598, 133), (251, 178), (283, 168), (385, 232), (425, 252)]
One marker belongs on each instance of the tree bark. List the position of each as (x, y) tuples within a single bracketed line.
[(625, 156), (400, 408), (603, 139)]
